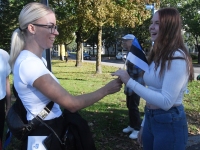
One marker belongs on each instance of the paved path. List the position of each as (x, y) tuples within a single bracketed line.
[(120, 64), (193, 142)]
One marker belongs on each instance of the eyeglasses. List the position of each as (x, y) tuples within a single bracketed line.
[(51, 27)]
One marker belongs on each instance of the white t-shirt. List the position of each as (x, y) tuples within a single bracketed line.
[(27, 68), (4, 72), (5, 54)]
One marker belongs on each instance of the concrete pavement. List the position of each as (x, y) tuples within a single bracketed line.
[(120, 64), (111, 61)]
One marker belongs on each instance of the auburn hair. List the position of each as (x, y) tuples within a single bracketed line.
[(168, 41)]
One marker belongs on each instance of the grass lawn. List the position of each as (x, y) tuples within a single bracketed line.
[(108, 117)]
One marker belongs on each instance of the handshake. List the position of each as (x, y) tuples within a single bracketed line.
[(116, 84)]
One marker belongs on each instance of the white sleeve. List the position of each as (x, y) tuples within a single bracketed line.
[(30, 69), (6, 57), (5, 54), (173, 81)]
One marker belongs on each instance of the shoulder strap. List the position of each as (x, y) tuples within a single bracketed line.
[(44, 112), (19, 107)]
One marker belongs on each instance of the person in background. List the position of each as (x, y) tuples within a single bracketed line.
[(5, 92), (170, 68), (35, 84), (66, 56), (132, 99)]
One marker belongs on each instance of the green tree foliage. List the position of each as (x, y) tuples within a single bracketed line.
[(9, 13), (64, 10), (190, 12), (100, 12), (111, 37), (114, 13), (84, 17), (71, 46), (72, 20), (81, 18), (5, 30), (191, 20)]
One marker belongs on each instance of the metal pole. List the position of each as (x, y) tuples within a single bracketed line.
[(47, 53), (153, 10)]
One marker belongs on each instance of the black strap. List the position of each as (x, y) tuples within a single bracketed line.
[(46, 110), (34, 122), (37, 120), (49, 105)]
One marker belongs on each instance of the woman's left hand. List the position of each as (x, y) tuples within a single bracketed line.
[(122, 74), (139, 139)]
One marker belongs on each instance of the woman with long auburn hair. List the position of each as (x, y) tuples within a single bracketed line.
[(170, 68)]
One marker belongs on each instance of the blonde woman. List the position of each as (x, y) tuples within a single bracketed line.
[(34, 83)]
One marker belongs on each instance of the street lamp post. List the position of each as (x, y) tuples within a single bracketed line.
[(151, 7), (46, 53)]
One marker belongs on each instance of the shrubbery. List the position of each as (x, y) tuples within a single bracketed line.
[(194, 56)]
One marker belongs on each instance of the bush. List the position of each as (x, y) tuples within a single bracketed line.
[(198, 77), (194, 56)]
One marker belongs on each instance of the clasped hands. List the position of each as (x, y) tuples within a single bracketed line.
[(122, 74)]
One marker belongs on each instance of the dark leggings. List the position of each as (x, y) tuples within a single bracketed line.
[(2, 118)]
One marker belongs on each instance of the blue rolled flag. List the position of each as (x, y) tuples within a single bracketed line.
[(137, 56)]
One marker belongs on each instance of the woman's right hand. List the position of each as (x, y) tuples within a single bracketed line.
[(139, 139), (122, 74)]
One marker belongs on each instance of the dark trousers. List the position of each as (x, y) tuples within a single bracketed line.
[(132, 103), (2, 119)]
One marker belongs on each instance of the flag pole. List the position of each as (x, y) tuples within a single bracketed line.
[(124, 67)]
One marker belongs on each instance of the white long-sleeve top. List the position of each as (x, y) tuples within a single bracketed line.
[(167, 90)]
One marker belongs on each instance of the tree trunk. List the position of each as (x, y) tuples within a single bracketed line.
[(78, 52), (78, 55), (99, 47), (62, 52), (116, 48), (108, 52)]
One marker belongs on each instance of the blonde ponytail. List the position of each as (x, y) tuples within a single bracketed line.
[(17, 44)]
